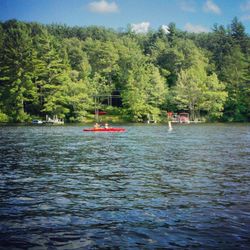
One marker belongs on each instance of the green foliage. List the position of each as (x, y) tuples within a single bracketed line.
[(16, 70), (236, 75), (215, 97), (145, 91), (3, 117), (64, 71), (196, 91)]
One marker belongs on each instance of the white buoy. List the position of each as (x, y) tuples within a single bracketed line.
[(169, 125)]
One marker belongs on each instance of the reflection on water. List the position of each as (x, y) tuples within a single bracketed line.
[(61, 188)]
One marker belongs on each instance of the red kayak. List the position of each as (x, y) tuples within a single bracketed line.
[(104, 130)]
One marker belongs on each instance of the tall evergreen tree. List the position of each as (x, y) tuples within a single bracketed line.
[(52, 73), (237, 77), (239, 36), (16, 70)]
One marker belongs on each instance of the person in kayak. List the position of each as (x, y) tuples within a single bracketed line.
[(97, 125), (106, 125)]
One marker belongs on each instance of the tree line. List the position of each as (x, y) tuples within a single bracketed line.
[(59, 70)]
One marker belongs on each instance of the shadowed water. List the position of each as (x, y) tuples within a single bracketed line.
[(61, 188)]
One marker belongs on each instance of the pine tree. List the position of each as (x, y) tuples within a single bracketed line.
[(236, 76), (16, 70)]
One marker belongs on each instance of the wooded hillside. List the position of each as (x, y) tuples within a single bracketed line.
[(58, 70)]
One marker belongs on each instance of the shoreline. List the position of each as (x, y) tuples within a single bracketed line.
[(119, 123)]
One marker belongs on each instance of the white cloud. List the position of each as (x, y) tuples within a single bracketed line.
[(245, 6), (210, 6), (187, 5), (140, 27), (195, 28), (103, 6), (245, 18), (165, 28)]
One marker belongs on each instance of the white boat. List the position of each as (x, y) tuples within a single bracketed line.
[(54, 120), (37, 122)]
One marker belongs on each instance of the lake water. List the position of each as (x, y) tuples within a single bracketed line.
[(148, 188)]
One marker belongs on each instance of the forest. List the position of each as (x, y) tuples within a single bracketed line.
[(61, 70)]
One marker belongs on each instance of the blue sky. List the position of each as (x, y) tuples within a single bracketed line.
[(190, 15)]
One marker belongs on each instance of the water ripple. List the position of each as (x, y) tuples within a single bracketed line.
[(147, 188)]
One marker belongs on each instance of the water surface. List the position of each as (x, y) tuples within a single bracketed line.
[(61, 188)]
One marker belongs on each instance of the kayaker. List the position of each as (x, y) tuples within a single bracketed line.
[(106, 125), (97, 125)]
